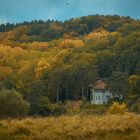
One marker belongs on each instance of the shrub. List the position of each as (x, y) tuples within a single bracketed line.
[(57, 109), (117, 108), (42, 107), (68, 105), (74, 105), (12, 104), (94, 109), (135, 107)]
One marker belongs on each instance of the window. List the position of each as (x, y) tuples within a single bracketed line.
[(108, 97), (96, 98), (99, 98)]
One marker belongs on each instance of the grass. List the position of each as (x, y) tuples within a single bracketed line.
[(77, 127)]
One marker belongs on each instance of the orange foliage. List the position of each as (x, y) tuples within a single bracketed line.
[(5, 71)]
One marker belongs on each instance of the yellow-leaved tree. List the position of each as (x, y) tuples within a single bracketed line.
[(72, 43), (41, 67), (5, 72)]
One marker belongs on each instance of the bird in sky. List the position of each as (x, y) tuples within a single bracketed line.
[(67, 3)]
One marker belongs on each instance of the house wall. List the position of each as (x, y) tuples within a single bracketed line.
[(100, 96)]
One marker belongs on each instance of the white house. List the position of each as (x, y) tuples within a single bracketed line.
[(99, 93)]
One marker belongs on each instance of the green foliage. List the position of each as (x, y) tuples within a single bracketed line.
[(45, 31), (43, 106), (57, 109), (58, 61), (12, 104), (134, 81), (94, 109), (119, 83), (134, 103)]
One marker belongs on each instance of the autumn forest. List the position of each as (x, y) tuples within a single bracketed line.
[(44, 64)]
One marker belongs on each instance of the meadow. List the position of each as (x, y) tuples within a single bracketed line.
[(76, 127)]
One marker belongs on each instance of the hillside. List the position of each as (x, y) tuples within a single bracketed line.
[(49, 61), (43, 31)]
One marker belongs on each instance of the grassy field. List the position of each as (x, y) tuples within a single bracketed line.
[(87, 127)]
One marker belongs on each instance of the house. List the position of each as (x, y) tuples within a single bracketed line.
[(99, 93)]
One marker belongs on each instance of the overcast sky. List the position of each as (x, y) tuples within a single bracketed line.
[(27, 10)]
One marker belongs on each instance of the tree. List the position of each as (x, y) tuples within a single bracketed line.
[(134, 81), (119, 84), (43, 106), (41, 67), (70, 43), (105, 63), (12, 104), (33, 92)]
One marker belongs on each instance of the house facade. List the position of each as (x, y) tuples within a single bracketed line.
[(99, 93)]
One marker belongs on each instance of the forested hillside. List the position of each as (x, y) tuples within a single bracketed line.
[(50, 61)]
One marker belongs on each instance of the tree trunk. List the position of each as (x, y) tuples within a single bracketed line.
[(67, 93), (57, 95), (82, 92)]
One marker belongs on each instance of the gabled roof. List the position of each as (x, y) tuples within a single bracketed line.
[(99, 85)]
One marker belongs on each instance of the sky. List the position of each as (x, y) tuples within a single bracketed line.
[(14, 11)]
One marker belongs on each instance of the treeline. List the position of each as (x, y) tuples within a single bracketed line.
[(42, 31), (57, 61)]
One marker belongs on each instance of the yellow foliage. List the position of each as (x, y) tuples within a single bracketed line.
[(5, 71), (87, 127), (70, 43), (133, 79), (98, 35), (117, 108), (70, 35), (36, 46), (41, 67)]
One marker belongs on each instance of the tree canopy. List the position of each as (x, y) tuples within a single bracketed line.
[(59, 60)]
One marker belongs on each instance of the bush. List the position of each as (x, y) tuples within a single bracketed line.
[(12, 104), (57, 109), (42, 107), (94, 109), (135, 107), (74, 105), (117, 108), (68, 105)]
